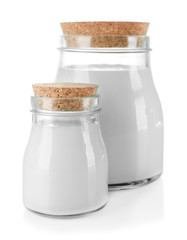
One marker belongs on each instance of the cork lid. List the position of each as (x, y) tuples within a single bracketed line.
[(104, 34), (105, 28), (65, 96)]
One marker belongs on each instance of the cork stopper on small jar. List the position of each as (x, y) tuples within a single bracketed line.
[(103, 34), (64, 96)]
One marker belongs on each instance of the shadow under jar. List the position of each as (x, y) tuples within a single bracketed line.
[(131, 119), (65, 169)]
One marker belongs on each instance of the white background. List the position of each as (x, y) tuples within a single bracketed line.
[(29, 33)]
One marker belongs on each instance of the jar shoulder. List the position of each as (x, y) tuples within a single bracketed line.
[(52, 147)]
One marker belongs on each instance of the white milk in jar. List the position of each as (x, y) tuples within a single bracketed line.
[(131, 119), (65, 170), (116, 56)]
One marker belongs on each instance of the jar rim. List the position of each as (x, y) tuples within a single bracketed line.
[(65, 113), (90, 97), (75, 105), (104, 43)]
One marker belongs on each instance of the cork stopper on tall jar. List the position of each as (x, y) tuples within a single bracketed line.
[(104, 34), (65, 96)]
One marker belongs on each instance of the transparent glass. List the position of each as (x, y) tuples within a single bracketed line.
[(65, 169), (104, 42), (65, 104), (131, 119)]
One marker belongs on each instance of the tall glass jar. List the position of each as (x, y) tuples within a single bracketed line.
[(65, 170), (131, 118)]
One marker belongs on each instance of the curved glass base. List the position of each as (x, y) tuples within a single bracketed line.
[(134, 184), (67, 216)]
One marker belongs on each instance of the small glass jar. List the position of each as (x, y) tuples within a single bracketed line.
[(65, 170), (131, 118)]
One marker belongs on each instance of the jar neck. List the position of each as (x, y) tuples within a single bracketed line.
[(64, 119), (96, 60)]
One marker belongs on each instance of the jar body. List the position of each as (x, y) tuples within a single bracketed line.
[(65, 166), (131, 118)]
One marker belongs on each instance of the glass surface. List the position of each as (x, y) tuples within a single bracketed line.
[(65, 170), (104, 42), (65, 104), (131, 118)]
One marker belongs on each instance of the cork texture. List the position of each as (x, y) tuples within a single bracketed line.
[(104, 34), (62, 96), (105, 28), (64, 90)]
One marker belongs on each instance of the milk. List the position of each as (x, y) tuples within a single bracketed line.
[(65, 166), (131, 118)]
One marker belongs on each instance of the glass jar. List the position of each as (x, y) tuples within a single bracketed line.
[(65, 170), (131, 118)]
